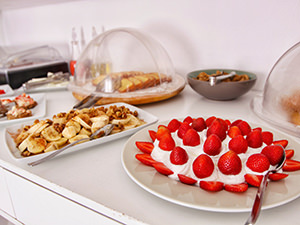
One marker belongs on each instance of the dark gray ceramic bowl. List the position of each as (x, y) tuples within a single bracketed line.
[(224, 90)]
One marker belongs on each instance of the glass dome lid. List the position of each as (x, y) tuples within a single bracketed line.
[(280, 102), (124, 63)]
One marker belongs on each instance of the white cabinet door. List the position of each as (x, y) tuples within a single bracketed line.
[(5, 201), (36, 205)]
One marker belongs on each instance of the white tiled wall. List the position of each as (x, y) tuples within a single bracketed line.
[(249, 34)]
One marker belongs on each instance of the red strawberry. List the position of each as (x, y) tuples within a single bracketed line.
[(283, 143), (161, 168), (211, 185), (145, 159), (144, 146), (167, 143), (254, 139), (267, 137), (253, 179), (291, 165), (191, 138), (188, 119), (277, 176), (212, 145), (289, 153), (238, 188), (199, 124), (234, 131), (184, 127), (224, 124), (178, 156), (217, 128), (274, 153), (230, 163), (162, 130), (238, 144), (228, 122), (186, 180), (209, 120), (203, 166), (173, 125), (258, 163), (236, 122), (152, 135), (244, 127)]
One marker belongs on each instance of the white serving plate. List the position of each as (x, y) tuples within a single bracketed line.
[(15, 153), (277, 193), (37, 112)]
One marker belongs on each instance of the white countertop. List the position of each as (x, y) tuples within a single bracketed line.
[(95, 177)]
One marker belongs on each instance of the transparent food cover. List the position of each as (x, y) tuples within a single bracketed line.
[(125, 63), (280, 102)]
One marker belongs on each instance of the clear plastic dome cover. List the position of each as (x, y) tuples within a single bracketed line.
[(280, 102), (124, 63)]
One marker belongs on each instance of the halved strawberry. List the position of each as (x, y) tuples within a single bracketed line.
[(254, 139), (258, 162), (267, 137), (257, 128), (277, 176), (291, 165), (162, 130), (173, 125), (238, 144), (145, 146), (188, 119), (145, 159), (152, 135), (212, 145), (186, 180), (228, 122), (289, 153), (178, 156), (184, 127), (199, 124), (238, 188), (217, 127), (253, 179), (234, 131), (191, 138), (274, 153), (209, 120), (203, 166), (236, 122), (283, 143), (211, 185), (167, 143), (161, 168), (244, 127), (230, 163)]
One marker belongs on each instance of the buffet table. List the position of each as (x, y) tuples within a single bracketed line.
[(91, 187)]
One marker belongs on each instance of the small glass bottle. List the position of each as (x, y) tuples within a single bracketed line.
[(75, 51)]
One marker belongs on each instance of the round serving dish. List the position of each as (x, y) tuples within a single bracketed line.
[(223, 90)]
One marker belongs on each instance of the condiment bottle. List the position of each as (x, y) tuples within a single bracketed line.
[(75, 51)]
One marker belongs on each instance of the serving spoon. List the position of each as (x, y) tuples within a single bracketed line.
[(104, 131), (256, 208)]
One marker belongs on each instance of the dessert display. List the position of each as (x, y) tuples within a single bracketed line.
[(66, 127), (215, 153), (19, 107), (205, 77)]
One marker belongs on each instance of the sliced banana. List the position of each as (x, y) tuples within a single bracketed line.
[(75, 124), (61, 142), (103, 118), (50, 134), (52, 146), (59, 120), (99, 122), (37, 128), (81, 120), (69, 132), (21, 137), (121, 121), (85, 131), (23, 145), (36, 145), (78, 137)]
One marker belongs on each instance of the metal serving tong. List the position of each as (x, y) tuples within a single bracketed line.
[(104, 131), (213, 80), (54, 78), (108, 85)]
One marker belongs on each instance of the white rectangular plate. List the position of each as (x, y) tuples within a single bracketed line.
[(15, 153), (37, 112)]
